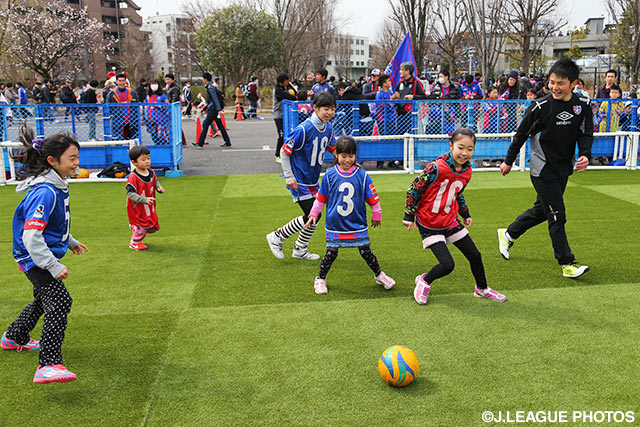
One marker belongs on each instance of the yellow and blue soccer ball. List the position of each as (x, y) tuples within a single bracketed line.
[(398, 366), (81, 173)]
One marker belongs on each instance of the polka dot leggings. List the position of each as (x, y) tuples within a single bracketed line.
[(51, 299)]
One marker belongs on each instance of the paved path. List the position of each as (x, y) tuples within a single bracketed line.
[(252, 150)]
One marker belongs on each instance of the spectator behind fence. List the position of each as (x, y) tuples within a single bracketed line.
[(172, 90), (36, 92), (9, 94), (91, 97), (156, 118), (141, 90), (47, 98), (443, 88), (23, 99), (580, 89), (611, 78), (384, 113), (369, 89), (121, 125), (470, 90), (322, 85), (282, 90), (611, 123), (490, 106), (67, 97)]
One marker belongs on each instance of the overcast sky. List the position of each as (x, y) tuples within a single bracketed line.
[(366, 16)]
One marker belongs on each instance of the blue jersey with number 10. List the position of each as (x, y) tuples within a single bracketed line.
[(306, 146), (346, 196)]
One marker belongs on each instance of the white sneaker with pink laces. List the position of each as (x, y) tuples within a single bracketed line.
[(320, 285), (421, 292), (489, 294), (384, 280)]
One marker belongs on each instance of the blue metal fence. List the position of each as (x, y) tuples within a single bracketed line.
[(157, 126), (439, 117)]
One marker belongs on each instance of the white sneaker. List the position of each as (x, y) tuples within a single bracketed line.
[(275, 244), (303, 253), (384, 280), (504, 244), (320, 285)]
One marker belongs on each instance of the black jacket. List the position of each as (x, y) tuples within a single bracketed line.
[(141, 93), (554, 127), (438, 91), (173, 93), (67, 96)]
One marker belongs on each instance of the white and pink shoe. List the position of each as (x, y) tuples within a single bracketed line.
[(421, 292), (53, 374), (489, 294), (384, 280), (320, 285)]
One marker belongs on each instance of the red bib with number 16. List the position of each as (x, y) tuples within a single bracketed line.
[(438, 208)]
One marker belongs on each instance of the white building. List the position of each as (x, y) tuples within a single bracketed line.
[(349, 57), (172, 45)]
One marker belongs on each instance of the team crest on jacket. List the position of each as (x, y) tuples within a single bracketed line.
[(577, 109)]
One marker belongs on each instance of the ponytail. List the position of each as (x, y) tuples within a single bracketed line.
[(36, 151)]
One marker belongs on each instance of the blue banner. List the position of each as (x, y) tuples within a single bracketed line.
[(403, 54)]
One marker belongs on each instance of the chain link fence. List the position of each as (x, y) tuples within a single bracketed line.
[(439, 117), (157, 126)]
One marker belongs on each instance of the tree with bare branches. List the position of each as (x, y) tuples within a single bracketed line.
[(388, 39), (415, 17), (448, 31), (40, 38), (528, 25), (485, 22), (626, 37)]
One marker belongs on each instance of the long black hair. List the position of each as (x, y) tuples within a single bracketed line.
[(34, 159)]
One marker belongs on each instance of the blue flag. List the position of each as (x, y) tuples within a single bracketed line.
[(403, 54)]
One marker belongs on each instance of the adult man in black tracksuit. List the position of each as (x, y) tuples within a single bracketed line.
[(553, 123)]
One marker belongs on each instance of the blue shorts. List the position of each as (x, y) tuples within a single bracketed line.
[(304, 192)]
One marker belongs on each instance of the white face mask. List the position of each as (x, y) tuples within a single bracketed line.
[(154, 87), (441, 80)]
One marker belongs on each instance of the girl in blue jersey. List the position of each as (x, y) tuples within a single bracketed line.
[(40, 239), (301, 156), (346, 189)]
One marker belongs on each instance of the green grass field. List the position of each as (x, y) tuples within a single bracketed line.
[(208, 328)]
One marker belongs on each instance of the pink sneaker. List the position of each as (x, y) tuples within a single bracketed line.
[(489, 294), (53, 374), (421, 292), (320, 285), (8, 344), (384, 280)]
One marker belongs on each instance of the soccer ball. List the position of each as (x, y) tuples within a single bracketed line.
[(398, 366), (82, 173)]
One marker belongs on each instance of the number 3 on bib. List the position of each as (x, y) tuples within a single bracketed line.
[(347, 198), (453, 190)]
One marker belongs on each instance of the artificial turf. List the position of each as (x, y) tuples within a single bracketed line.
[(208, 328)]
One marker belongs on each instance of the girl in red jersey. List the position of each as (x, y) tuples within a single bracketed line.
[(141, 197), (433, 203)]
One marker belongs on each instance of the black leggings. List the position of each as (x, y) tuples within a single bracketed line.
[(446, 263), (51, 299), (306, 206), (332, 254)]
